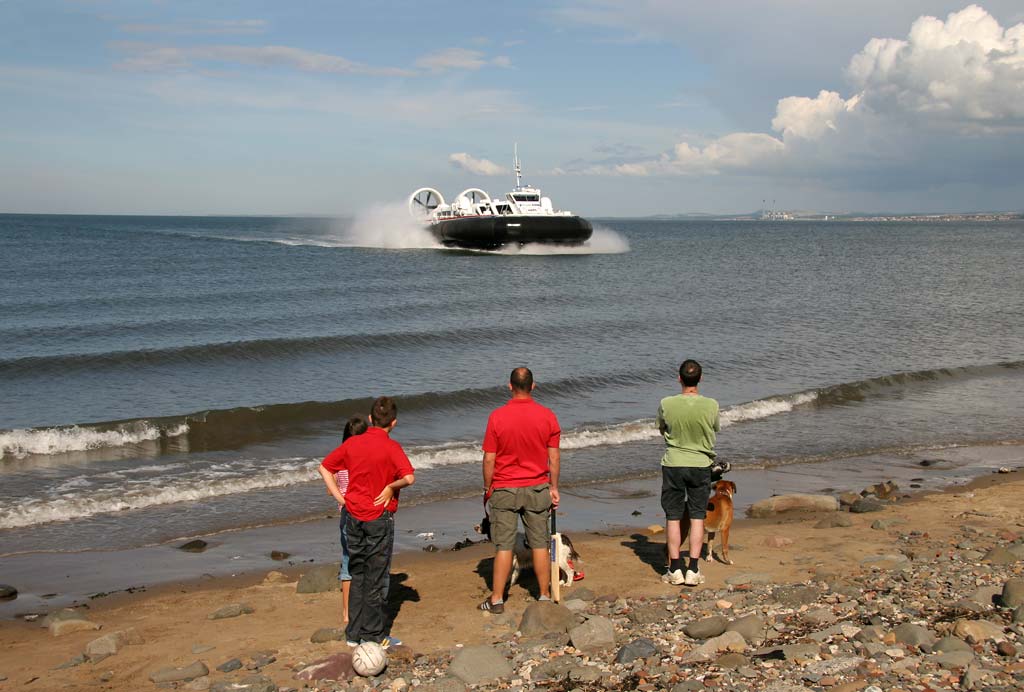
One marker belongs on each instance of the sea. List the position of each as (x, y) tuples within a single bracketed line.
[(177, 376)]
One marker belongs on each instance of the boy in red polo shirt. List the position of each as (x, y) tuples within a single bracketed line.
[(521, 466), (377, 469)]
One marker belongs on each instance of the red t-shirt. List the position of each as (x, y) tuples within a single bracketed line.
[(373, 460), (519, 434)]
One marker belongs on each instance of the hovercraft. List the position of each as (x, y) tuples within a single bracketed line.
[(477, 221)]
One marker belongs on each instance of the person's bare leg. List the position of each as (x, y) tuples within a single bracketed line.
[(696, 537), (673, 537), (542, 568), (346, 588), (499, 578)]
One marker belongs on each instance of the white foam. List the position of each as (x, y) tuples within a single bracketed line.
[(763, 408), (388, 226), (604, 241), (140, 495), (60, 440)]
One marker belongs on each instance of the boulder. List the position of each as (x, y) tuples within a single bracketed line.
[(8, 592), (732, 660), (596, 633), (109, 644), (1000, 556), (636, 649), (1013, 593), (335, 667), (231, 611), (476, 665), (952, 659), (947, 644), (798, 502), (196, 546), (543, 617), (706, 628), (230, 665), (61, 627), (709, 650), (835, 521), (978, 631), (583, 593), (171, 674), (1018, 615), (751, 627), (914, 636), (866, 504), (320, 579)]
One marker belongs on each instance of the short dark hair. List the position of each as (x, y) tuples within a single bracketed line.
[(383, 412), (521, 380), (690, 372), (356, 425)]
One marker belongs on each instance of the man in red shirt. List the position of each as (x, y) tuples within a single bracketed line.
[(377, 469), (521, 463)]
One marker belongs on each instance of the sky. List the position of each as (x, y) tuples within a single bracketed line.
[(618, 107)]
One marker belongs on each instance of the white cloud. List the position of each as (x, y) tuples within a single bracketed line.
[(152, 58), (202, 27), (459, 59), (476, 166), (948, 86)]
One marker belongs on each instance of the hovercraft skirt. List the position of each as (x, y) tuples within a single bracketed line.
[(493, 232)]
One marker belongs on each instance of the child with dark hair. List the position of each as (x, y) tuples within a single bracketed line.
[(355, 425)]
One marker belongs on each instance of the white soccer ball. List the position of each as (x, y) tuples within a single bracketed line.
[(369, 659)]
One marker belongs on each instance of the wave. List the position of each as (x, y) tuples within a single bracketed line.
[(266, 349), (232, 428)]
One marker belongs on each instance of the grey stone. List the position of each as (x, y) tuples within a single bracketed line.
[(772, 506), (252, 683), (950, 644), (327, 634), (796, 595), (596, 633), (71, 663), (1000, 556), (732, 660), (638, 648), (576, 605), (443, 684), (192, 671), (8, 592), (229, 666), (886, 562), (751, 627), (834, 666), (793, 652), (1018, 615), (952, 659), (583, 593), (985, 595), (977, 631), (848, 498), (730, 641), (543, 617), (871, 633), (818, 617), (1013, 593), (231, 611), (196, 546), (835, 521), (320, 579), (199, 684), (749, 578), (865, 505), (706, 628), (479, 664), (914, 635), (110, 644), (885, 524), (61, 627)]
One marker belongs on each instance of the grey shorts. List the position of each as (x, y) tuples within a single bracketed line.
[(532, 503), (685, 488)]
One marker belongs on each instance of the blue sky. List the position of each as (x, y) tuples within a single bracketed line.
[(619, 107)]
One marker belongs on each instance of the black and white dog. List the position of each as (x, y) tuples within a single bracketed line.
[(522, 556)]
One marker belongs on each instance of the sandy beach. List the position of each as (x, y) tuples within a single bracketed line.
[(434, 594)]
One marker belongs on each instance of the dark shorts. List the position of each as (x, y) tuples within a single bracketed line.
[(532, 504), (685, 488)]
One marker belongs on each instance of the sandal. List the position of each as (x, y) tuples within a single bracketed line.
[(488, 607)]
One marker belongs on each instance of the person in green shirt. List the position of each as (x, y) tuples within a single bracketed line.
[(689, 424)]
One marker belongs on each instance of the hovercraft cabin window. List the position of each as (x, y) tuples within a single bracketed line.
[(526, 198)]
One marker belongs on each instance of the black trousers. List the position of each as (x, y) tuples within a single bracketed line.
[(369, 547)]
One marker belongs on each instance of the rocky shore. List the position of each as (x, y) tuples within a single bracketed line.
[(875, 591)]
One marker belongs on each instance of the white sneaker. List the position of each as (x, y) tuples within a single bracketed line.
[(693, 578), (673, 577)]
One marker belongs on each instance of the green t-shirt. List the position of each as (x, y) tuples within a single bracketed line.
[(688, 422)]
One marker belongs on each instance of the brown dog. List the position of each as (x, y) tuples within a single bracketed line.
[(719, 518)]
